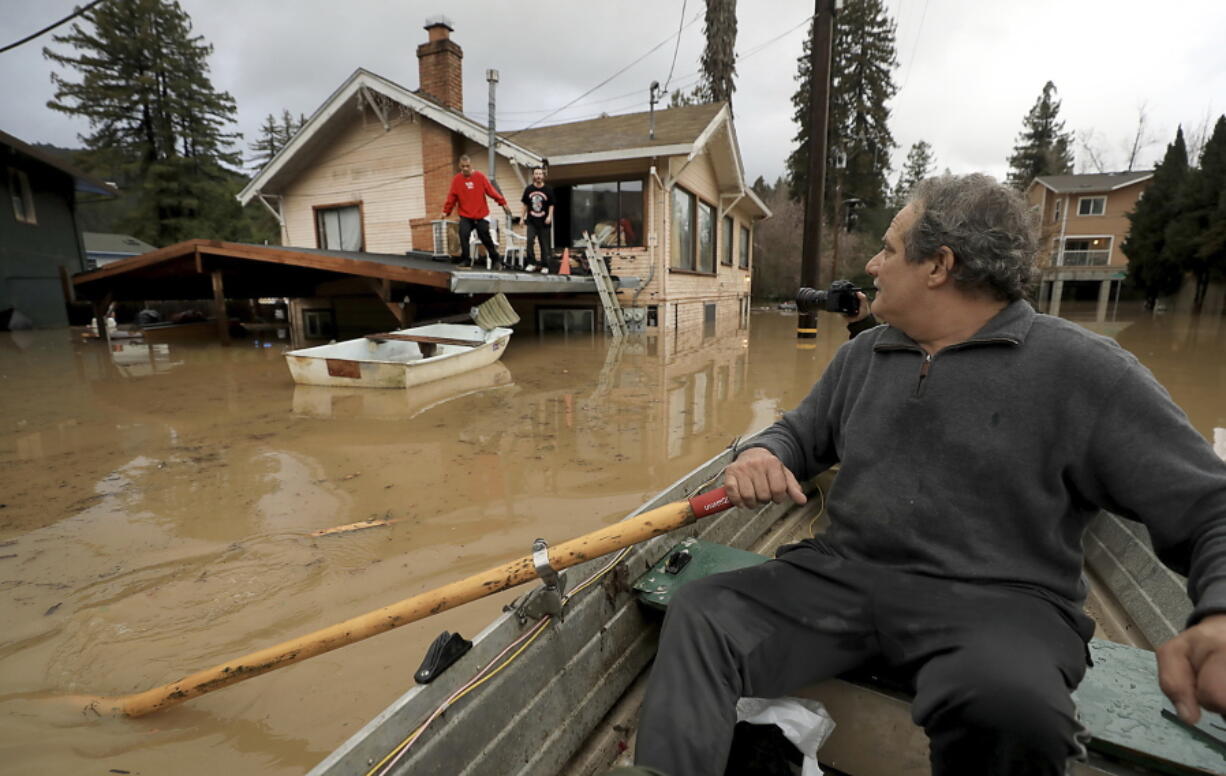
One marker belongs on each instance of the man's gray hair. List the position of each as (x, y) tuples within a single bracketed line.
[(991, 229)]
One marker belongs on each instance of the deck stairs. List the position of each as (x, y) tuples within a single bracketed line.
[(613, 314)]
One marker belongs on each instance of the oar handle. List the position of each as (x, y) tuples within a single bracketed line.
[(711, 502)]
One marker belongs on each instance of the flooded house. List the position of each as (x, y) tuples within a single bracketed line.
[(40, 242), (1084, 224), (663, 193)]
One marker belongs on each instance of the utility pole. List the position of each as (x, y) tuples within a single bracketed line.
[(820, 49), (492, 77)]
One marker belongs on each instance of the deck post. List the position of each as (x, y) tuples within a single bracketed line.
[(383, 289), (219, 308)]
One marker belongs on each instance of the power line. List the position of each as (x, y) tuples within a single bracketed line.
[(676, 47), (914, 48), (51, 27), (610, 78)]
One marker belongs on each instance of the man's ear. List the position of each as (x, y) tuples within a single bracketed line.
[(941, 269)]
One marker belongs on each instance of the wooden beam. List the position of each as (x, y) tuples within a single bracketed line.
[(135, 262), (344, 266), (199, 262), (219, 308)]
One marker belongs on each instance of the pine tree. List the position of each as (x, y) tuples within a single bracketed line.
[(157, 123), (919, 165), (861, 83), (719, 56), (267, 144), (1151, 265), (1195, 237), (1043, 146)]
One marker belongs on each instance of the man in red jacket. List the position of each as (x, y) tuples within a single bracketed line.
[(469, 189)]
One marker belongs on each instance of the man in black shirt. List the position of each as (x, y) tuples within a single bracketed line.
[(538, 215)]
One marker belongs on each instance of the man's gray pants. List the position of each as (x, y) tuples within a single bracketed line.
[(992, 666)]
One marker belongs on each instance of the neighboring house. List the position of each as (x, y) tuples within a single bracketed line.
[(1084, 224), (102, 248), (40, 244), (370, 171)]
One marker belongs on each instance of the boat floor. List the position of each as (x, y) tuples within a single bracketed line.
[(859, 750)]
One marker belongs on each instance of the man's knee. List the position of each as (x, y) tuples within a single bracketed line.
[(1010, 703)]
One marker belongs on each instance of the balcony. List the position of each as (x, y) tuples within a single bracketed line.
[(1083, 258)]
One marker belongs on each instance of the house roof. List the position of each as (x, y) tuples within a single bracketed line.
[(81, 181), (319, 128), (1109, 181), (102, 242), (674, 126)]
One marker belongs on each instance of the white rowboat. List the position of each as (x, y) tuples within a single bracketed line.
[(399, 359)]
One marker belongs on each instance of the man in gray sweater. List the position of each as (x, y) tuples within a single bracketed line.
[(976, 440)]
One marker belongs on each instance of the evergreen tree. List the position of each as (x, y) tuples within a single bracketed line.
[(1195, 237), (919, 165), (861, 83), (267, 144), (719, 56), (1043, 146), (157, 123), (1151, 265)]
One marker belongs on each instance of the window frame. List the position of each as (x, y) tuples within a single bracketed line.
[(19, 189), (725, 249), (315, 212), (569, 186), (692, 264), (743, 257), (1096, 198)]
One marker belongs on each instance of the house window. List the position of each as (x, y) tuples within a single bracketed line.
[(706, 237), (653, 315), (1086, 251), (683, 229), (725, 250), (1091, 206), (744, 247), (23, 198), (708, 320), (339, 227), (611, 212), (1056, 211), (567, 320)]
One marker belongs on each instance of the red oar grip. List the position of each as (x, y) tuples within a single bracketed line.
[(710, 502)]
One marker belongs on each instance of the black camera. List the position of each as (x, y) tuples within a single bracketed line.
[(841, 298)]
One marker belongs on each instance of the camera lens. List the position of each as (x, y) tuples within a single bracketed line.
[(810, 300)]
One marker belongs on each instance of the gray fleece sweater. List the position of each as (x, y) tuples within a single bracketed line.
[(986, 461)]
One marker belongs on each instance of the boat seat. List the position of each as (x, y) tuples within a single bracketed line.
[(420, 338), (1119, 700)]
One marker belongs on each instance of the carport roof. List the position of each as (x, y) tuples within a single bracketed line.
[(183, 271)]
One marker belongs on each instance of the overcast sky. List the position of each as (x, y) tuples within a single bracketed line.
[(968, 71)]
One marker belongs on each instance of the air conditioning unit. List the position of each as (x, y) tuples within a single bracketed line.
[(446, 239)]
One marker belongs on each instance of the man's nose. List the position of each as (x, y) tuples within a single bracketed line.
[(871, 267)]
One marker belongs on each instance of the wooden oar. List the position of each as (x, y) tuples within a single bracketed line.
[(614, 537)]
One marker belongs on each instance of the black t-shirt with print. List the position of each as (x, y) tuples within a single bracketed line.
[(538, 200)]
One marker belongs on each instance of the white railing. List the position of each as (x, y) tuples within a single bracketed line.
[(1084, 258)]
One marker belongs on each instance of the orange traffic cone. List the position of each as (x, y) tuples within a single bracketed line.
[(565, 268)]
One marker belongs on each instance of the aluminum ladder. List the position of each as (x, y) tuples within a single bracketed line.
[(613, 315)]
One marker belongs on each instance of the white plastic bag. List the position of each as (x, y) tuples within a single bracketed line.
[(804, 722)]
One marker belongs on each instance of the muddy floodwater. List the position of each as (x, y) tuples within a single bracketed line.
[(157, 504)]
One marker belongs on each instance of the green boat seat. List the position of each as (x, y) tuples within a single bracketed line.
[(1119, 700)]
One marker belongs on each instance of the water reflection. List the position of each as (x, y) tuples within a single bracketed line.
[(157, 508)]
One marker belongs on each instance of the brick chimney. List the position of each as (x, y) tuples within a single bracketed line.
[(439, 65)]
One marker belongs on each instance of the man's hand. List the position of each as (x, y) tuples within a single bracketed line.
[(1192, 668), (757, 476), (443, 217), (864, 310)]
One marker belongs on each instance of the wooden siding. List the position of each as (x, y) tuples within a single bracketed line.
[(381, 169)]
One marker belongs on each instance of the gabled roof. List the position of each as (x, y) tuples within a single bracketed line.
[(294, 157), (80, 180), (1108, 181), (630, 132)]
